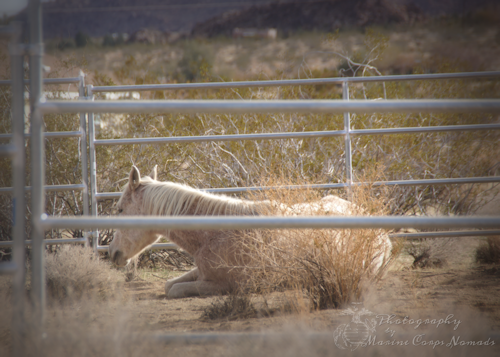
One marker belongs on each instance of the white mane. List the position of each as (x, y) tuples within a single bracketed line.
[(173, 199)]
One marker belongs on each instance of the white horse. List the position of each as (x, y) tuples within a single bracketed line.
[(213, 250)]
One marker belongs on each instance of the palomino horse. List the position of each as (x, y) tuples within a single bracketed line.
[(211, 249)]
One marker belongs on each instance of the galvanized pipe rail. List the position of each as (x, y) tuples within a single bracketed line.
[(445, 234), (294, 82), (5, 244), (81, 134), (272, 106), (55, 134), (50, 188), (240, 222), (16, 149), (47, 81), (7, 150), (294, 135), (331, 186), (318, 106)]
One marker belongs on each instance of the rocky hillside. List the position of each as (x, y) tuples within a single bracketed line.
[(329, 15), (65, 18)]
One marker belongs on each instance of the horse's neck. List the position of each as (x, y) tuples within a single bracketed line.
[(190, 241)]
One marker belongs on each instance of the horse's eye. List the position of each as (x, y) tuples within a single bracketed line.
[(120, 210)]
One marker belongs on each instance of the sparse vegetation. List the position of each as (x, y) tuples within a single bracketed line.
[(232, 307), (332, 267), (427, 253), (489, 252), (73, 272)]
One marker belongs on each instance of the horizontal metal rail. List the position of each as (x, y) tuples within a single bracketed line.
[(55, 134), (238, 137), (194, 338), (166, 246), (476, 233), (7, 268), (238, 222), (271, 106), (210, 337), (47, 81), (49, 188), (332, 186), (292, 82), (294, 135), (7, 150), (9, 243)]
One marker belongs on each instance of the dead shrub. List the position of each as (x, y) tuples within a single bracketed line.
[(165, 259), (489, 253), (74, 271), (331, 266), (232, 307), (92, 328), (428, 253)]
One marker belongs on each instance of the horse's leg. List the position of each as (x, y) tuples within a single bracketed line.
[(194, 288), (191, 275)]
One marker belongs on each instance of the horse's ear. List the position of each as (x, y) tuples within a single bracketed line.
[(134, 179), (154, 173)]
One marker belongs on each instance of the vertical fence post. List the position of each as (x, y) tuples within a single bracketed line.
[(347, 129), (93, 179), (83, 149), (18, 183), (37, 160)]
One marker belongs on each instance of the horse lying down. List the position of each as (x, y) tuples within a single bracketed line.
[(213, 250)]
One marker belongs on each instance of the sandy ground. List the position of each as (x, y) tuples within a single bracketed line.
[(461, 290)]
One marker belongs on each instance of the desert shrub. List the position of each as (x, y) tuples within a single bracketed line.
[(90, 328), (489, 253), (170, 259), (232, 307), (332, 267), (63, 157), (111, 40), (82, 39), (74, 271), (65, 43), (195, 64), (245, 163), (427, 253)]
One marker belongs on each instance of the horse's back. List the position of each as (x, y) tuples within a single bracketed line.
[(328, 205)]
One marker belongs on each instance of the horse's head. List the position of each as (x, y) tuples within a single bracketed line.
[(127, 243)]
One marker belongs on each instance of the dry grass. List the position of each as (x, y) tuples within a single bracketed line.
[(489, 253), (74, 271), (232, 307), (332, 267), (90, 328), (429, 253), (87, 314)]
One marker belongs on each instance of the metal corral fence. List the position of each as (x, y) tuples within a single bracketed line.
[(40, 222), (81, 134), (311, 106)]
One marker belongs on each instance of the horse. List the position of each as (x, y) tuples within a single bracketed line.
[(213, 251)]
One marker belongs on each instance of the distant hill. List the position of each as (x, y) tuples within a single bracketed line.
[(65, 18), (328, 15)]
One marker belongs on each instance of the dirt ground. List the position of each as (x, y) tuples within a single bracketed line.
[(462, 289)]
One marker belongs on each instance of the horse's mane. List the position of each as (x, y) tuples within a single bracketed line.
[(173, 199)]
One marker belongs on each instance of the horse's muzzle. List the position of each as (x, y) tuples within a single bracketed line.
[(118, 258)]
